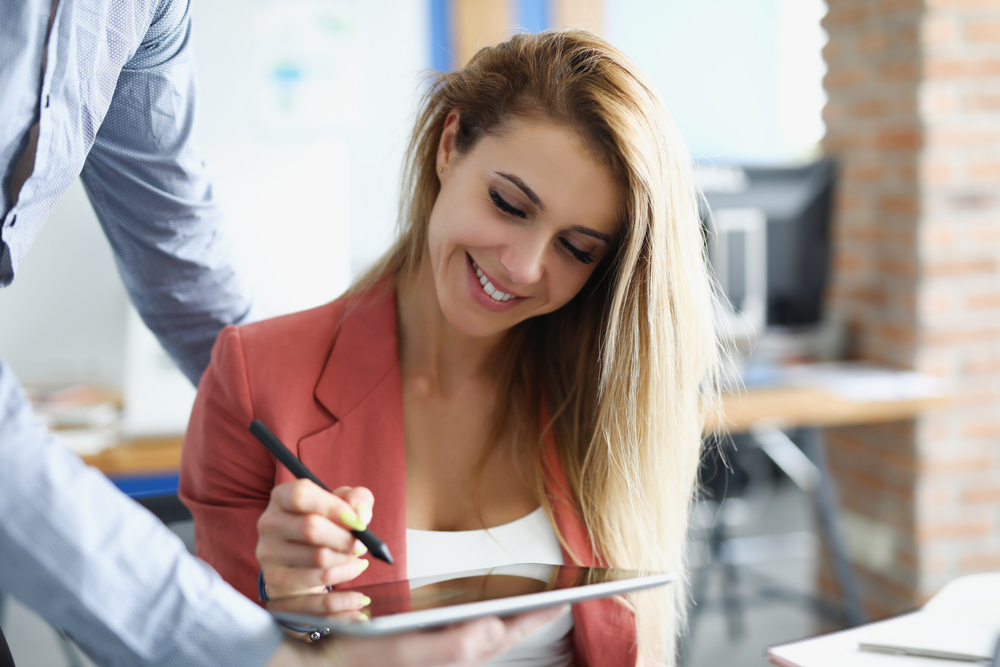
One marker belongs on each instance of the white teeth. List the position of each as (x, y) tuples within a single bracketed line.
[(488, 287)]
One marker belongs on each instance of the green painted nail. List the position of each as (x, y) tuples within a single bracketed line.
[(351, 520), (365, 600)]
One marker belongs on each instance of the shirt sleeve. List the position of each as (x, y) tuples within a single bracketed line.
[(151, 192), (99, 566)]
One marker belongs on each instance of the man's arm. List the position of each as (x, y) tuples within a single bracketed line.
[(151, 192), (96, 564)]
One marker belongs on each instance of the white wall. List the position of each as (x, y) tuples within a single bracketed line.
[(62, 320), (305, 106), (742, 78)]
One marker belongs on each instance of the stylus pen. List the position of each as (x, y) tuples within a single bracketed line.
[(376, 546)]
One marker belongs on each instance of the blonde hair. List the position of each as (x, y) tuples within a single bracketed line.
[(627, 369)]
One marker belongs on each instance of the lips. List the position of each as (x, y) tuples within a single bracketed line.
[(478, 284), (488, 287)]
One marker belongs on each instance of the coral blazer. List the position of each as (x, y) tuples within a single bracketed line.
[(327, 382)]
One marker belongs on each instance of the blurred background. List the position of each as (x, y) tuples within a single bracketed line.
[(849, 153)]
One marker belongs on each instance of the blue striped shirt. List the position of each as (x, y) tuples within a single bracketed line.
[(115, 105)]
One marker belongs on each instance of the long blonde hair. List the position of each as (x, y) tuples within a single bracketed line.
[(627, 368)]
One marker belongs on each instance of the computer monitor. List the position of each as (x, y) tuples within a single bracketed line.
[(796, 203)]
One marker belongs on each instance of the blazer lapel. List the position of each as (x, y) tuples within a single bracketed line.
[(361, 387)]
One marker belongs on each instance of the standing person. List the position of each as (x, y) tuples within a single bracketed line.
[(522, 378), (104, 89)]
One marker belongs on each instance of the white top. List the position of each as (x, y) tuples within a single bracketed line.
[(530, 539)]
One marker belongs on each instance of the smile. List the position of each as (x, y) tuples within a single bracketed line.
[(488, 287)]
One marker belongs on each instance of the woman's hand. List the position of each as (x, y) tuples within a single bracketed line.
[(464, 645), (304, 541)]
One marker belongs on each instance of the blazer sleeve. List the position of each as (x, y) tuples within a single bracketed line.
[(226, 475)]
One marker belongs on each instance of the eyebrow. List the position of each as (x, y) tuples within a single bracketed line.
[(587, 231), (528, 192)]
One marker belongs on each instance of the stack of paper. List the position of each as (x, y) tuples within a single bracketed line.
[(960, 624)]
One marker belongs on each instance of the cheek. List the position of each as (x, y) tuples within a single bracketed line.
[(566, 284)]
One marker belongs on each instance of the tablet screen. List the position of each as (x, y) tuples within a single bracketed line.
[(398, 606)]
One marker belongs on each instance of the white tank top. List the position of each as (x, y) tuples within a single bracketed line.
[(530, 539)]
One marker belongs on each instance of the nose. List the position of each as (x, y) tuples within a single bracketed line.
[(524, 260)]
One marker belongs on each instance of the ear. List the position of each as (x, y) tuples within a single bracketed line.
[(447, 149)]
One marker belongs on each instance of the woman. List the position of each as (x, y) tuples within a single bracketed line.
[(538, 343)]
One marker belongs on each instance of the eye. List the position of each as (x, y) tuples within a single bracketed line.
[(581, 255), (504, 206)]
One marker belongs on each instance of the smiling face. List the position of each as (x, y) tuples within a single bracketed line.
[(520, 224)]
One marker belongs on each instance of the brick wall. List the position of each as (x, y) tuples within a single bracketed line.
[(914, 120)]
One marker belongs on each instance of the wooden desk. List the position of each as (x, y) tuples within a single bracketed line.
[(139, 457), (793, 407)]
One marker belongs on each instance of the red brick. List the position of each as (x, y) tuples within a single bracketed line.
[(952, 465), (838, 15), (987, 429), (897, 267), (979, 366), (956, 68), (873, 41), (872, 296), (903, 138), (981, 562), (971, 397), (844, 79), (961, 268), (936, 172), (870, 108), (958, 336), (988, 233), (982, 31), (961, 137), (982, 102), (906, 204), (982, 301), (982, 494), (903, 71), (938, 236), (954, 529), (896, 334), (984, 171), (936, 30)]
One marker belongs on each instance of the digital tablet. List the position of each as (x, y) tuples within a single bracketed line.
[(412, 604)]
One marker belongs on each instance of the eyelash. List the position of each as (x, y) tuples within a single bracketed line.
[(505, 207), (502, 204), (584, 257)]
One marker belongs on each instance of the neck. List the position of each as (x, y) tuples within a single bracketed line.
[(431, 349)]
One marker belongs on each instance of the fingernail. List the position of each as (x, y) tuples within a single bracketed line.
[(364, 512), (359, 548), (365, 600), (364, 616), (351, 520), (362, 565)]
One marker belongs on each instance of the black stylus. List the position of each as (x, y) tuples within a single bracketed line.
[(376, 546)]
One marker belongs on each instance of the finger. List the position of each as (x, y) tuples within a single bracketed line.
[(312, 529), (280, 552), (304, 497), (327, 604), (460, 645), (360, 498), (287, 580), (523, 625)]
